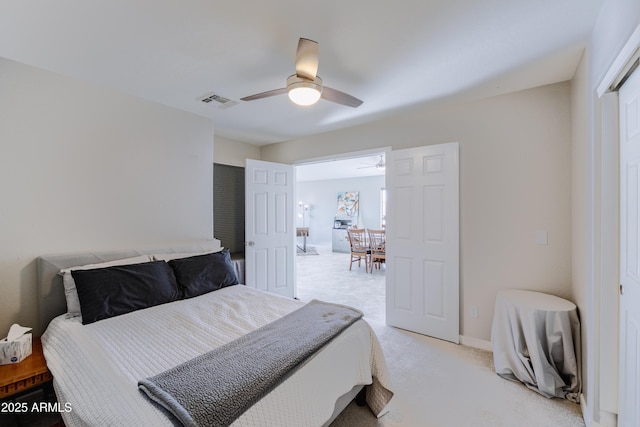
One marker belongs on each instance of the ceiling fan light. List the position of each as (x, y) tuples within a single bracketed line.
[(304, 95), (304, 92)]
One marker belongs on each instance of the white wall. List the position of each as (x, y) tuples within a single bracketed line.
[(229, 152), (322, 197), (515, 154), (83, 167)]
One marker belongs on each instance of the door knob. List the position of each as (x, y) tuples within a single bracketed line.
[(250, 243)]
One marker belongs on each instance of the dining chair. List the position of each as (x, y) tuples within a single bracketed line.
[(359, 249), (377, 247)]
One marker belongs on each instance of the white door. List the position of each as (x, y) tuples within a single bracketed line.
[(270, 227), (423, 240), (629, 391)]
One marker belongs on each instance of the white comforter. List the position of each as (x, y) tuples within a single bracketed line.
[(96, 367)]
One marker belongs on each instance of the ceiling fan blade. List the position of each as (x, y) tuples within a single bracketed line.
[(338, 97), (265, 94), (307, 59)]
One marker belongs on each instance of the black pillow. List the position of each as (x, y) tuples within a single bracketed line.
[(112, 291), (199, 274)]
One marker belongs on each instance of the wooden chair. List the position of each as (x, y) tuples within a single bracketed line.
[(377, 246), (359, 249)]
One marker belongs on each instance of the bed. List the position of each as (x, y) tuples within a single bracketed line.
[(98, 366)]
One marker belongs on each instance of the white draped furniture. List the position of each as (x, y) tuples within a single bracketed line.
[(536, 340)]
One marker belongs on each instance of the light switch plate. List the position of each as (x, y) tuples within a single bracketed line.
[(542, 237)]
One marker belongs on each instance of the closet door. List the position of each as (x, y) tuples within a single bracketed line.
[(629, 378)]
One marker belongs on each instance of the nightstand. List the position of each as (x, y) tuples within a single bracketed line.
[(28, 375)]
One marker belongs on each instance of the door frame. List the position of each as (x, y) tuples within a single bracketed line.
[(343, 156)]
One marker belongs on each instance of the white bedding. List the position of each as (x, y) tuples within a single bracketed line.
[(96, 367)]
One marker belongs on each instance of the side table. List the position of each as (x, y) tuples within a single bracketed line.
[(28, 375), (536, 340)]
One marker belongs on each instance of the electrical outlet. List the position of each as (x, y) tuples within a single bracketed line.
[(474, 311)]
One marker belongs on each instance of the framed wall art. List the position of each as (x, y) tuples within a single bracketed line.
[(348, 204)]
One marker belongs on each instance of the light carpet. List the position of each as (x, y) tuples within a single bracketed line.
[(436, 383)]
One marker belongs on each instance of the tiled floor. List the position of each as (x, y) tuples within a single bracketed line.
[(326, 277)]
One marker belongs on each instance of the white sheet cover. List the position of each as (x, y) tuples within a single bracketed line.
[(536, 340), (96, 367)]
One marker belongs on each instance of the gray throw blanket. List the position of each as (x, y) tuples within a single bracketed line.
[(217, 387)]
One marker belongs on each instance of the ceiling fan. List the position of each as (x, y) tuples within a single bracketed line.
[(305, 86), (378, 165)]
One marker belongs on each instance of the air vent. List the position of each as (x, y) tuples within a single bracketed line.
[(217, 98), (220, 100)]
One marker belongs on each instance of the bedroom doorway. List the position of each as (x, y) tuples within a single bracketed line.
[(329, 225), (322, 264)]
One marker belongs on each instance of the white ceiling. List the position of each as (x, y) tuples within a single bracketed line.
[(392, 55), (354, 167)]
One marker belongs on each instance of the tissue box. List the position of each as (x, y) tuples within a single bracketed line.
[(15, 351)]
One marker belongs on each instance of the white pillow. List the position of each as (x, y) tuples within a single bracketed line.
[(169, 257), (70, 292)]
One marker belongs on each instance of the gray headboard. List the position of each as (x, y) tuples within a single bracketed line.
[(51, 299)]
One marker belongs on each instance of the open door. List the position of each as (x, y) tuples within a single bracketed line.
[(629, 377), (423, 240), (270, 227)]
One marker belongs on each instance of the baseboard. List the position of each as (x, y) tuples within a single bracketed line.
[(476, 343), (585, 410), (607, 419)]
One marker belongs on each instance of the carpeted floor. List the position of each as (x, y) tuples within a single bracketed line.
[(436, 383)]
